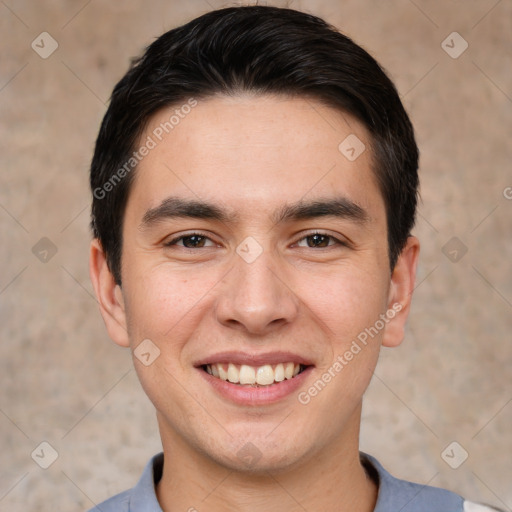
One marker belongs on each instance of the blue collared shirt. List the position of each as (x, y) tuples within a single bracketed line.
[(394, 494)]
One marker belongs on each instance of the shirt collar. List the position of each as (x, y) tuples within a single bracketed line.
[(143, 496), (393, 494)]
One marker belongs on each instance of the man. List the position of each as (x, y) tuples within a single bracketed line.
[(255, 185)]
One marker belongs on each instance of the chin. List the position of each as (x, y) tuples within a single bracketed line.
[(256, 455), (259, 464)]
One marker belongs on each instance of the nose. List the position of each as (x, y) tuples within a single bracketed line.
[(255, 297)]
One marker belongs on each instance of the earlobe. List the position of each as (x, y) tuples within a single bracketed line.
[(400, 292), (109, 295)]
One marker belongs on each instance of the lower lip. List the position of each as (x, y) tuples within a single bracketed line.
[(262, 395)]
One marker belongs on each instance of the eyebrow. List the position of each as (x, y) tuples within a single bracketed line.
[(340, 207), (175, 207)]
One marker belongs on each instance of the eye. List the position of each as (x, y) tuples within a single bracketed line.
[(191, 241), (320, 240), (199, 241)]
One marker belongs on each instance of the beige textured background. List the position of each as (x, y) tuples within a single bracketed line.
[(65, 383)]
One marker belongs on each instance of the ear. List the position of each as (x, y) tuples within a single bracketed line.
[(400, 292), (109, 295)]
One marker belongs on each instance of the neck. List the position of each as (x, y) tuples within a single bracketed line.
[(332, 480)]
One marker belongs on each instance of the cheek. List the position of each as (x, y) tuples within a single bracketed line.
[(166, 309), (347, 300), (164, 305), (348, 303)]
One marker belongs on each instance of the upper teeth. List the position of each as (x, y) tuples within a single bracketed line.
[(262, 375)]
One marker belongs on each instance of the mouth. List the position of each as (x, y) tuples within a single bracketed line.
[(255, 379), (254, 376)]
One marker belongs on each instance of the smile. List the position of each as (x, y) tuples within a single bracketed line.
[(246, 375)]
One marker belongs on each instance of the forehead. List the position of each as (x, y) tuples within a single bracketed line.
[(255, 152)]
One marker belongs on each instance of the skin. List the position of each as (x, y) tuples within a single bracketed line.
[(252, 155)]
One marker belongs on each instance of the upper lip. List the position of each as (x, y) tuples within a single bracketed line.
[(248, 359)]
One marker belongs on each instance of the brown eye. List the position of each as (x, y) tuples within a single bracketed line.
[(193, 241), (317, 240)]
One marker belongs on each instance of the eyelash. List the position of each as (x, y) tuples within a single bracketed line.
[(204, 235)]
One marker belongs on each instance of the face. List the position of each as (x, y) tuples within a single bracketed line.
[(255, 251)]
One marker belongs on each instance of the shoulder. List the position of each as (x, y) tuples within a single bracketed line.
[(118, 503), (395, 494), (142, 497)]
